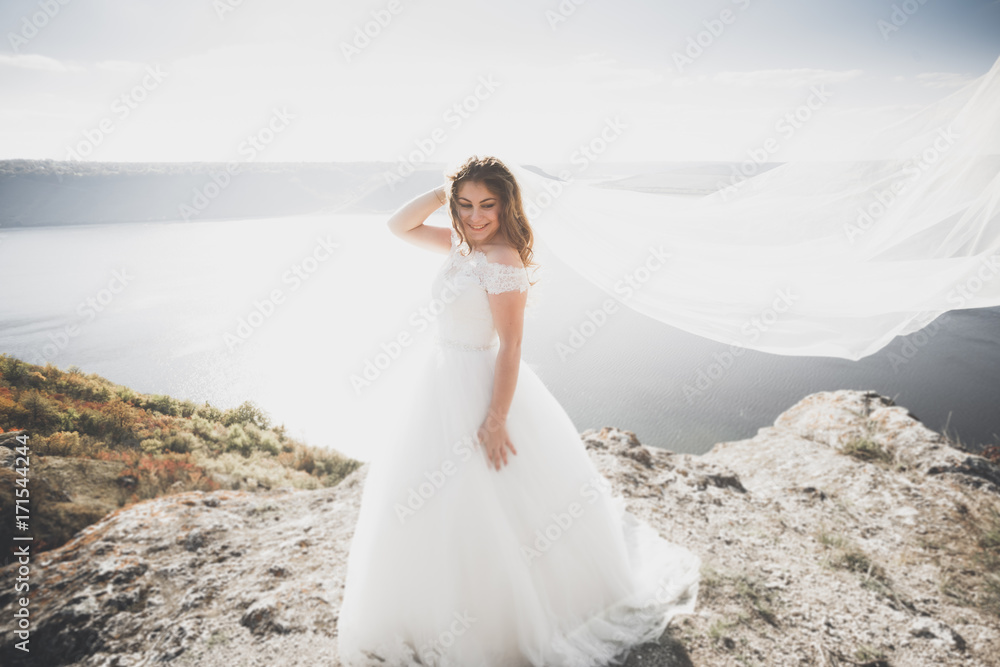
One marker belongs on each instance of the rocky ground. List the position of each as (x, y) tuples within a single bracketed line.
[(845, 534)]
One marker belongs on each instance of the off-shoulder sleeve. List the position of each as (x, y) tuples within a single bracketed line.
[(497, 278)]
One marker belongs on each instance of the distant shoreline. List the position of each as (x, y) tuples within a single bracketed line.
[(49, 193)]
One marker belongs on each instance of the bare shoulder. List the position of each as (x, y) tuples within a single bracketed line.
[(503, 254)]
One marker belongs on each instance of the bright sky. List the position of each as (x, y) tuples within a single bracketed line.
[(532, 80)]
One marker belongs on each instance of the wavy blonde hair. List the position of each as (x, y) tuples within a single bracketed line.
[(495, 177)]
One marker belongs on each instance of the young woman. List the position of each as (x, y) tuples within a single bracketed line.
[(486, 535)]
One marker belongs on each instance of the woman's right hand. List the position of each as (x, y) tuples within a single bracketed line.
[(495, 441)]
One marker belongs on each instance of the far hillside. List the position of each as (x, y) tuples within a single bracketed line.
[(47, 192), (37, 193)]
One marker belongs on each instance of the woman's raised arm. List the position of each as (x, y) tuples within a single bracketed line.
[(408, 222)]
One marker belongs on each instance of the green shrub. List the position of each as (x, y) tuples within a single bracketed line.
[(125, 394), (151, 446), (210, 412), (182, 442), (238, 441), (93, 422), (14, 371), (269, 443), (261, 440), (162, 404), (61, 443), (42, 413), (247, 413), (206, 430), (68, 419)]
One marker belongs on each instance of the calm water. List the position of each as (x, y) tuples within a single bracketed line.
[(158, 307)]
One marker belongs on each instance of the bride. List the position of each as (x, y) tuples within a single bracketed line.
[(486, 536)]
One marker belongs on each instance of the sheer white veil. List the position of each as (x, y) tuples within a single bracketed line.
[(831, 258)]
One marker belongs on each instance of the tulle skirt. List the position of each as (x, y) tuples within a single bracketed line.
[(456, 564)]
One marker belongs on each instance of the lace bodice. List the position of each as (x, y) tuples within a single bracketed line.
[(460, 290)]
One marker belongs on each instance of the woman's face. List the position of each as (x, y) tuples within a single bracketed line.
[(478, 210)]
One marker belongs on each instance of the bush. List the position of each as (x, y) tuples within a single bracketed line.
[(306, 463), (264, 441), (62, 443), (269, 443), (247, 413), (865, 449), (101, 394), (14, 371), (93, 422), (120, 417), (182, 443), (151, 446), (238, 441), (210, 412), (68, 420), (126, 395), (205, 429), (42, 413), (157, 475), (162, 404), (12, 415)]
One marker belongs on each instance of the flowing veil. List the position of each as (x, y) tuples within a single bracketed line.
[(831, 258)]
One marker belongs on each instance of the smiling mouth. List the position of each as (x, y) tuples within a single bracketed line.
[(477, 228)]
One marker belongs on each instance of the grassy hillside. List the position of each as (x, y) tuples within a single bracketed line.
[(97, 446)]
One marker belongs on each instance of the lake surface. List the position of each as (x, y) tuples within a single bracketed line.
[(266, 310)]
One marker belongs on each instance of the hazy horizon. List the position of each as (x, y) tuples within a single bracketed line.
[(346, 82)]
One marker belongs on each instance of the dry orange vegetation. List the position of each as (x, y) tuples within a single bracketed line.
[(100, 446)]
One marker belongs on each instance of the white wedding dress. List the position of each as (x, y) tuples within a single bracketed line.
[(454, 563)]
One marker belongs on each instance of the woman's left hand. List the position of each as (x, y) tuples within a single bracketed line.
[(495, 441)]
